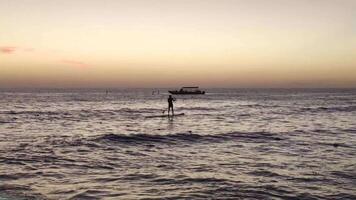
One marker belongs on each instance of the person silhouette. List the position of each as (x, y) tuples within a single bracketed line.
[(170, 104)]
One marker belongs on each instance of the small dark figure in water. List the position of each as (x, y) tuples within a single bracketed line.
[(170, 104)]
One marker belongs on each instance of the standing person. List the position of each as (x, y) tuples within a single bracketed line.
[(170, 104)]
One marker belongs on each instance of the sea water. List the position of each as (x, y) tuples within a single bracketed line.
[(230, 144)]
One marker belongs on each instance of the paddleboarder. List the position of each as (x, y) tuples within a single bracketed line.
[(170, 104)]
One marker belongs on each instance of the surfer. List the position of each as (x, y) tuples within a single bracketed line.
[(170, 104)]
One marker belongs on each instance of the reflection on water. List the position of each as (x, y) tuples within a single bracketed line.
[(248, 144)]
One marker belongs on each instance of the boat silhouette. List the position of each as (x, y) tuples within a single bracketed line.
[(187, 90)]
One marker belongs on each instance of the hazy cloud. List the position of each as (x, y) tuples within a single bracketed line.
[(7, 50)]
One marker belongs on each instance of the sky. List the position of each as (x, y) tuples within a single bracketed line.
[(173, 43)]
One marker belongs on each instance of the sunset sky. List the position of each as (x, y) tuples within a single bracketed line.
[(171, 43)]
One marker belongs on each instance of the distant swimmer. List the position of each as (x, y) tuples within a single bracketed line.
[(170, 104)]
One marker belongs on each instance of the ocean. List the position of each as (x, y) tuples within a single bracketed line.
[(229, 144)]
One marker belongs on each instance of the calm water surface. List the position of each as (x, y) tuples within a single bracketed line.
[(230, 144)]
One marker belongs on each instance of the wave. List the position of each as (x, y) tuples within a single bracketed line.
[(6, 122), (197, 108), (25, 112), (17, 191), (179, 138), (330, 109)]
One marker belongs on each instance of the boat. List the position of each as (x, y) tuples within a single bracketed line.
[(187, 90)]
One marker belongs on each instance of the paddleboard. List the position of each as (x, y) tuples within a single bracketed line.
[(160, 116)]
